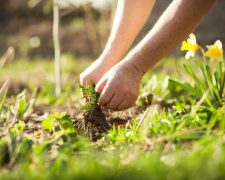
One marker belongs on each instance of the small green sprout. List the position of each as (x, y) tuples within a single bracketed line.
[(91, 95)]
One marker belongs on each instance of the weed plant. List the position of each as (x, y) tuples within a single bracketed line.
[(90, 95)]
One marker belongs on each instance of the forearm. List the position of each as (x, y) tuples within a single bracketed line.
[(177, 22), (130, 17)]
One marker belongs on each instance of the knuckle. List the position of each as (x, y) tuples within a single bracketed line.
[(108, 91), (125, 92), (103, 99), (117, 84)]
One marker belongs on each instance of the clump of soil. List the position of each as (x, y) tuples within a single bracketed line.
[(95, 123)]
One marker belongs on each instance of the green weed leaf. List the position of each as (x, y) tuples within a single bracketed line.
[(48, 124), (22, 107)]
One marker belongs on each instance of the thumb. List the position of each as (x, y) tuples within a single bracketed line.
[(100, 85)]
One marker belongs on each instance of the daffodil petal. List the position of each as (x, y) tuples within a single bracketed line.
[(218, 43), (190, 45), (209, 46), (191, 39), (185, 46), (189, 54), (215, 51)]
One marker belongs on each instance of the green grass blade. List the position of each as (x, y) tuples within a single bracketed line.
[(208, 73), (199, 83), (204, 76), (220, 69), (216, 92), (212, 121), (222, 84), (195, 78), (218, 80), (203, 89), (188, 135), (3, 101), (186, 87)]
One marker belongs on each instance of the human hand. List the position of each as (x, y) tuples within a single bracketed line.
[(94, 72), (119, 87)]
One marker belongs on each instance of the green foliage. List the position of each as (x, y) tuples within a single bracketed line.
[(120, 135), (18, 127), (22, 107), (63, 120), (90, 95), (154, 89)]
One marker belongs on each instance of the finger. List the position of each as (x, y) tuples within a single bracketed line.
[(106, 95), (100, 85), (130, 104), (122, 106), (114, 102), (82, 80)]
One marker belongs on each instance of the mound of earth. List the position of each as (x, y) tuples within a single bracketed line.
[(99, 121)]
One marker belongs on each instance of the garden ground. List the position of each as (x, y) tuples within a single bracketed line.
[(169, 134)]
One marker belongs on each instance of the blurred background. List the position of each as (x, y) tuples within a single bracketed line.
[(84, 26), (27, 47)]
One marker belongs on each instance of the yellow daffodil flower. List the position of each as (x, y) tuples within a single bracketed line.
[(215, 51), (190, 45)]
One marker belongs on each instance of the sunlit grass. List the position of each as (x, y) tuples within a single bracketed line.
[(40, 74)]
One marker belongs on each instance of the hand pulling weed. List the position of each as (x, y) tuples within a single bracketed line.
[(94, 119)]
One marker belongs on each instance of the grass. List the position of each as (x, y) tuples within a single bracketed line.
[(38, 75), (184, 140)]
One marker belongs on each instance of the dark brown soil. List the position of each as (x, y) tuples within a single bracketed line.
[(95, 123)]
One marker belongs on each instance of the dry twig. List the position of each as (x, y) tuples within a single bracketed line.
[(8, 56), (56, 42), (3, 87), (9, 124)]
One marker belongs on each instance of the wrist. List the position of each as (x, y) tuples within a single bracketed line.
[(136, 66), (113, 53), (106, 61)]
